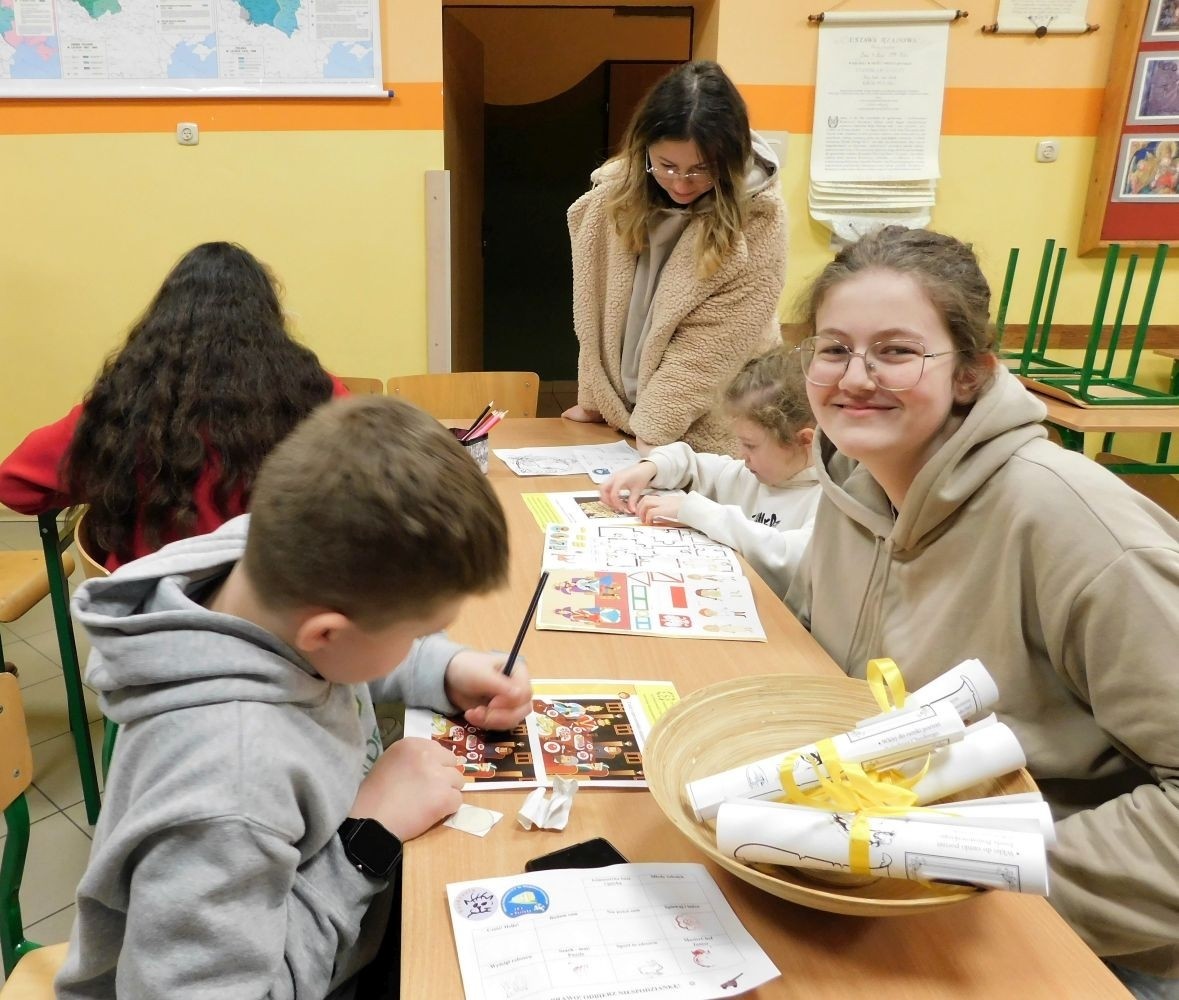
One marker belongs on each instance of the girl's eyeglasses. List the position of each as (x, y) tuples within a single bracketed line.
[(697, 175), (895, 365)]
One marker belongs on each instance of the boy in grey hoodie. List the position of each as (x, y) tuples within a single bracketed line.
[(251, 823)]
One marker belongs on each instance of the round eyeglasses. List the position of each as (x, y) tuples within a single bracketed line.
[(895, 365), (697, 175)]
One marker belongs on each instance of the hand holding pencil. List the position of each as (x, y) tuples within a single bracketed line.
[(488, 697)]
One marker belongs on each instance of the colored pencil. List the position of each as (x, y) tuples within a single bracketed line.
[(544, 578), (486, 410)]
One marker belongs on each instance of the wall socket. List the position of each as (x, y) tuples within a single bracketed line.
[(1047, 151), (188, 133)]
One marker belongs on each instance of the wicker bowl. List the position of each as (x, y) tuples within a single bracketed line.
[(749, 718)]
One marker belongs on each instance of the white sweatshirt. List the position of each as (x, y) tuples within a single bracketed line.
[(769, 525)]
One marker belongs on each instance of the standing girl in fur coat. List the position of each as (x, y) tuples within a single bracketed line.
[(679, 256)]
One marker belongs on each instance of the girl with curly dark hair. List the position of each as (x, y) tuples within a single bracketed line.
[(169, 438)]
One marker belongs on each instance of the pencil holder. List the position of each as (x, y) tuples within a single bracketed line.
[(478, 448)]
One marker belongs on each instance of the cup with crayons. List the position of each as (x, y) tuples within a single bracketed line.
[(475, 437)]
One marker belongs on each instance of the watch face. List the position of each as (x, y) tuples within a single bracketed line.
[(374, 848)]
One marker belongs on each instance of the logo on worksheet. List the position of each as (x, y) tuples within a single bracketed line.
[(524, 899), (475, 903)]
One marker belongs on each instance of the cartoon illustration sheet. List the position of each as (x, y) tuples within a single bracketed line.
[(591, 730), (636, 547), (599, 461), (623, 931), (579, 507)]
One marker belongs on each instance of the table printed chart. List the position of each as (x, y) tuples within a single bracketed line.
[(625, 931)]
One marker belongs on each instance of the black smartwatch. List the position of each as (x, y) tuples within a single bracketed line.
[(370, 847)]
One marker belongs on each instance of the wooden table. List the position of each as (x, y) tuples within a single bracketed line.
[(1074, 422), (997, 945)]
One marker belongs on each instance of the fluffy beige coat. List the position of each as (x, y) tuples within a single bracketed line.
[(702, 329)]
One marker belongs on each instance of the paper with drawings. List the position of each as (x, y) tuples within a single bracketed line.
[(598, 461), (906, 847), (637, 547), (627, 931)]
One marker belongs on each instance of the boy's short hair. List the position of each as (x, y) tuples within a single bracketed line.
[(371, 508), (770, 390)]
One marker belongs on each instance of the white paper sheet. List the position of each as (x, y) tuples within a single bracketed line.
[(599, 461), (1057, 16), (899, 847), (627, 931), (878, 101)]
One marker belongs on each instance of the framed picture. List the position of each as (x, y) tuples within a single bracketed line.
[(1154, 97), (1133, 193), (1162, 21)]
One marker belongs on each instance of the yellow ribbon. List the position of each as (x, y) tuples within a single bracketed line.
[(886, 683)]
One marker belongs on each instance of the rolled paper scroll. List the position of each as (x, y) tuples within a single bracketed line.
[(968, 687), (893, 847), (896, 737)]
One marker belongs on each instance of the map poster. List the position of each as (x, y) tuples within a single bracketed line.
[(190, 48)]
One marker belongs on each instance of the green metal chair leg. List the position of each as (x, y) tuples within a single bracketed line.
[(109, 731), (59, 597)]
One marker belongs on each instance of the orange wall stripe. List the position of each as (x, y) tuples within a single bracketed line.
[(967, 110), (415, 106)]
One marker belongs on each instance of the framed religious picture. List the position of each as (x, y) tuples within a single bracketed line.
[(1133, 194), (1162, 21)]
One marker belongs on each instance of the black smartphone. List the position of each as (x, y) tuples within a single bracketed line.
[(596, 853)]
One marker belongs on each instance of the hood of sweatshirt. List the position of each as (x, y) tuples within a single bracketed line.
[(1003, 419), (140, 616)]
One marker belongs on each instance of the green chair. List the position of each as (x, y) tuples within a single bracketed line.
[(26, 578), (31, 976)]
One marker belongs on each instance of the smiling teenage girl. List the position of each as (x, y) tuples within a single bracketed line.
[(679, 254), (950, 527)]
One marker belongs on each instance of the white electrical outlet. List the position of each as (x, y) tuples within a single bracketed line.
[(1047, 151), (188, 133)]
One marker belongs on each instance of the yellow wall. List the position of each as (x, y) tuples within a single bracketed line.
[(102, 200)]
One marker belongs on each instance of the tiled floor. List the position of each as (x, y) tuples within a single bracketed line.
[(59, 844), (555, 397)]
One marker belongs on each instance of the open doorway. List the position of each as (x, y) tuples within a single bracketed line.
[(555, 88)]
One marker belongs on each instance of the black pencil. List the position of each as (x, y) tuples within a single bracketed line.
[(544, 578), (486, 410)]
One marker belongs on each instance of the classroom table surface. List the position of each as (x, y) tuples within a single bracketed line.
[(1110, 419), (995, 945)]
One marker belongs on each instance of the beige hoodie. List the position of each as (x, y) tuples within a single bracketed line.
[(694, 333), (1065, 583)]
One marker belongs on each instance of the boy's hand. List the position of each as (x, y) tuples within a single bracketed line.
[(664, 508), (413, 785), (476, 684), (634, 480)]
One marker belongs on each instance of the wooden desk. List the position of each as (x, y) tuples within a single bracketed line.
[(1074, 422), (1000, 944)]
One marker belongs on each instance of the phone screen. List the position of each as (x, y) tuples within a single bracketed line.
[(596, 853)]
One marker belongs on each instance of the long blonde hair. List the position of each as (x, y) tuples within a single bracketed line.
[(697, 102)]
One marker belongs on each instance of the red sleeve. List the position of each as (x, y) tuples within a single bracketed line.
[(30, 478), (338, 388)]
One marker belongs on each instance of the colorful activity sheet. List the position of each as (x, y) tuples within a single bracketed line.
[(579, 507), (598, 461), (638, 580), (590, 730), (636, 547), (586, 933)]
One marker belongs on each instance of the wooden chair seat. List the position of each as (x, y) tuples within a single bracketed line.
[(361, 386), (464, 395), (32, 979), (1162, 489)]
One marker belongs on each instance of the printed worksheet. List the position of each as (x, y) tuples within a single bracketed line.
[(598, 461), (583, 934), (636, 547), (591, 730), (579, 507)]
